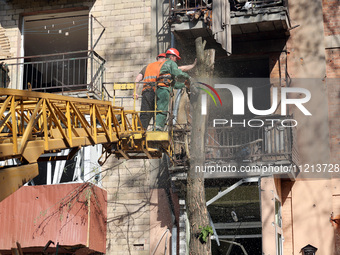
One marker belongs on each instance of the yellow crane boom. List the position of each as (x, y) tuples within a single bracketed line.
[(33, 124)]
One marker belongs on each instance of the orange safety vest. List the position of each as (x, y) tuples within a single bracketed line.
[(151, 75)]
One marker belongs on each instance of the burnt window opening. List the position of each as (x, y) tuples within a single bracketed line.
[(55, 49)]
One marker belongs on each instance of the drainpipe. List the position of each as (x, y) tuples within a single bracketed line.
[(173, 217), (172, 40), (175, 112), (91, 53), (174, 240)]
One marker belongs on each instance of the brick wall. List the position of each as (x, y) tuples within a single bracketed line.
[(333, 63), (287, 220), (4, 44), (128, 222), (126, 45), (333, 89), (331, 16), (277, 68)]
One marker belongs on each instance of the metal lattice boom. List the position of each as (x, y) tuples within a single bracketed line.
[(33, 124)]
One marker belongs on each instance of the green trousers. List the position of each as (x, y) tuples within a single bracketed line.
[(163, 99)]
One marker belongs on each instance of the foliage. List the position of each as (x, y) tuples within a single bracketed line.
[(205, 232)]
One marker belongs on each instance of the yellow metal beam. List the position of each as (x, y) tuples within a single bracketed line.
[(12, 178), (38, 123), (123, 86)]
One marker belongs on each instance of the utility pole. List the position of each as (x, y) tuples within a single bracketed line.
[(196, 202)]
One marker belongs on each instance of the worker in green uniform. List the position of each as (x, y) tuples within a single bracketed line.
[(167, 81)]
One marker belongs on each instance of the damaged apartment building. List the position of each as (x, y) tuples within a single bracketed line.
[(134, 203)]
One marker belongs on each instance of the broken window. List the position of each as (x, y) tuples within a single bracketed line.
[(235, 216), (83, 167), (55, 49)]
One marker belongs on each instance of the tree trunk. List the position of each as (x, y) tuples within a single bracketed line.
[(196, 202)]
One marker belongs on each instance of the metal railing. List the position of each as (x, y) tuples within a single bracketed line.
[(185, 6), (123, 96), (268, 143), (57, 73), (239, 5)]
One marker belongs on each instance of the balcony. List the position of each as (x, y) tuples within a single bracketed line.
[(260, 17), (191, 19), (258, 151), (79, 72), (269, 145), (72, 216)]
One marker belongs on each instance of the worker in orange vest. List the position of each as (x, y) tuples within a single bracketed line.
[(148, 76), (166, 82)]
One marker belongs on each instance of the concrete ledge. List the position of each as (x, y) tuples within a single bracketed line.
[(332, 41)]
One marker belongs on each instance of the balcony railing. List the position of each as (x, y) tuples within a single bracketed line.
[(237, 5), (269, 143), (189, 6), (56, 73), (185, 5), (203, 18)]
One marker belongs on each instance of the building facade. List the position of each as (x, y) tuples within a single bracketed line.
[(284, 43)]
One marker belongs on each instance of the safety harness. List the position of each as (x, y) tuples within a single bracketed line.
[(164, 80)]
